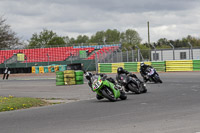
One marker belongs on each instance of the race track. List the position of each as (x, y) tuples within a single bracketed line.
[(171, 107)]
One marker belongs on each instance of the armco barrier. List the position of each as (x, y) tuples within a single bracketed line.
[(196, 65), (130, 66), (105, 68), (179, 65), (115, 66), (159, 66)]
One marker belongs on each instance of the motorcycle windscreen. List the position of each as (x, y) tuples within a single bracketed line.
[(151, 72), (122, 78), (96, 84)]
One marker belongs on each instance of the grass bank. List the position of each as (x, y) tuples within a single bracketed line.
[(14, 103)]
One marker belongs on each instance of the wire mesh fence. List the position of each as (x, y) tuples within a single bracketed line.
[(150, 55)]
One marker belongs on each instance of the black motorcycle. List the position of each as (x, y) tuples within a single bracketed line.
[(131, 84), (152, 75)]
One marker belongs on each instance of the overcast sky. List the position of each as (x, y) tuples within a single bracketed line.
[(171, 19)]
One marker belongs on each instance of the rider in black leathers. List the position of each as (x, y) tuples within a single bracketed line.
[(143, 70), (120, 70)]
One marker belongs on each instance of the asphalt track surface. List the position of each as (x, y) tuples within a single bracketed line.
[(171, 107)]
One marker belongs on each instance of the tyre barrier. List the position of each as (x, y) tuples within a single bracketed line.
[(60, 78), (69, 77), (79, 77)]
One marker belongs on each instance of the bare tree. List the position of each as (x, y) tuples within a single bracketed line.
[(8, 38)]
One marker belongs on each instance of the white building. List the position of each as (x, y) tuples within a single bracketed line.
[(176, 54)]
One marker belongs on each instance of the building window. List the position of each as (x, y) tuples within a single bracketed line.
[(182, 55), (155, 56)]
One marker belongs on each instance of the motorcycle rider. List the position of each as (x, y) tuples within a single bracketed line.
[(143, 70), (120, 70), (89, 75)]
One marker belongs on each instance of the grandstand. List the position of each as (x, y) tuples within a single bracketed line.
[(57, 53)]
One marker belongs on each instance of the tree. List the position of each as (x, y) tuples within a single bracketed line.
[(67, 40), (45, 39), (130, 38), (56, 41), (112, 36), (82, 39), (163, 43), (194, 41), (8, 38), (72, 41), (98, 37)]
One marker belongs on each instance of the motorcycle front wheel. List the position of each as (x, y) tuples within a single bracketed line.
[(107, 93), (144, 89), (132, 87), (157, 79)]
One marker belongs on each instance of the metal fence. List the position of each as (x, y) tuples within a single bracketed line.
[(150, 55)]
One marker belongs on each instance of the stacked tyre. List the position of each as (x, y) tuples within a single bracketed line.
[(69, 77), (79, 77), (60, 78)]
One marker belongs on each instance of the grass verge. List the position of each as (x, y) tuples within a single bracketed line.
[(14, 103)]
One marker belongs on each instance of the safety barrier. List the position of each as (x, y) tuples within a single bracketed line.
[(115, 66), (160, 66), (105, 68), (131, 66), (196, 65), (41, 69), (48, 69), (69, 77), (33, 69), (37, 69), (179, 65)]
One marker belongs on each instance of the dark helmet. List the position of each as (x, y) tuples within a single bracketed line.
[(119, 70), (88, 75), (142, 64)]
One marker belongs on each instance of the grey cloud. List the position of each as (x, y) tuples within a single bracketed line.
[(170, 18), (133, 5)]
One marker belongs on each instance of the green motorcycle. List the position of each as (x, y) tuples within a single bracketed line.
[(107, 89)]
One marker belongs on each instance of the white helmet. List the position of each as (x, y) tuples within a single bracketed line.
[(142, 64), (88, 75)]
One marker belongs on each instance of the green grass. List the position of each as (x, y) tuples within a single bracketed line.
[(14, 103)]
